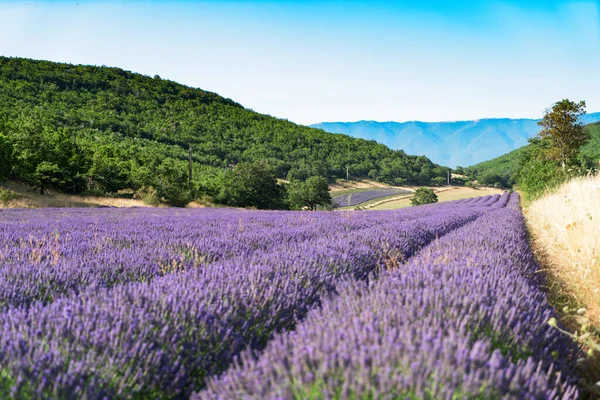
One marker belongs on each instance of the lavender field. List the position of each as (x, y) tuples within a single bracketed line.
[(353, 199), (438, 301)]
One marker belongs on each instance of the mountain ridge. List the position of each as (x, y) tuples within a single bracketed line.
[(451, 143)]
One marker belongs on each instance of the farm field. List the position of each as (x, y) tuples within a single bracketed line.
[(158, 303), (361, 196), (445, 194)]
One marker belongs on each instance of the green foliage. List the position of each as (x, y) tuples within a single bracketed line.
[(251, 185), (312, 193), (513, 166), (110, 129), (172, 183), (564, 131), (47, 175), (148, 195), (6, 154), (423, 196), (536, 174), (494, 179), (439, 181), (7, 195)]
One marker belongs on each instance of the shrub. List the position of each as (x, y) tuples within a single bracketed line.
[(148, 195), (7, 195), (424, 196)]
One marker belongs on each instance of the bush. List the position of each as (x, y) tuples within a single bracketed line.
[(94, 192), (439, 181), (538, 176), (424, 196), (7, 195), (148, 195)]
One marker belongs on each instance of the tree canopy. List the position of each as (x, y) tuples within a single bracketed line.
[(423, 196), (310, 194), (563, 130)]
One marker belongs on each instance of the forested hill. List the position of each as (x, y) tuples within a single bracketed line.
[(87, 127), (502, 169)]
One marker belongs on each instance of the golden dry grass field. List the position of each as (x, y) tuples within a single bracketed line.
[(25, 197), (565, 233), (566, 227)]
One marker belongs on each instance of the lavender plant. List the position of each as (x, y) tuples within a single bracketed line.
[(465, 318), (163, 332)]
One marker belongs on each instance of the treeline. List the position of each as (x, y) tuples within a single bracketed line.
[(541, 165), (100, 129)]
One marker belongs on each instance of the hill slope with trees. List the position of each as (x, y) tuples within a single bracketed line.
[(76, 128), (503, 169)]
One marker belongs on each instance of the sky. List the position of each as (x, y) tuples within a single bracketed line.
[(313, 61)]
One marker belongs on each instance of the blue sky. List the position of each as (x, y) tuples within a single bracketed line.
[(314, 61)]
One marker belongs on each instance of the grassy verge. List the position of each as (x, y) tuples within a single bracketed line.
[(565, 236), (18, 195)]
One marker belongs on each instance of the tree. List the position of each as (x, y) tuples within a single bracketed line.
[(563, 129), (172, 184), (251, 185), (5, 157), (311, 193), (424, 196), (47, 175)]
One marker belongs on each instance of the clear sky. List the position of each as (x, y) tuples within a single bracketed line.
[(316, 60)]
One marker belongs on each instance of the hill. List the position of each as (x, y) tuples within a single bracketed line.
[(448, 143), (506, 165), (78, 128)]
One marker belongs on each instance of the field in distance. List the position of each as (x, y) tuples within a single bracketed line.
[(444, 194)]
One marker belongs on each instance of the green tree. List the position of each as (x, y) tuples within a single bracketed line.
[(311, 193), (172, 184), (563, 129), (6, 154), (251, 185), (424, 196), (47, 175)]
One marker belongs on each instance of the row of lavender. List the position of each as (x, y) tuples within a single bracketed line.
[(161, 338), (352, 199), (465, 318), (49, 254)]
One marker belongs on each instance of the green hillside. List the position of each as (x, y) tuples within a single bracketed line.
[(501, 169), (84, 127)]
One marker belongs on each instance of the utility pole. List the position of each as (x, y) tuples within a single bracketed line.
[(347, 175), (190, 163), (449, 174)]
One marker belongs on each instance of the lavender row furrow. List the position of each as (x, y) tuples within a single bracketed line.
[(163, 338), (465, 318)]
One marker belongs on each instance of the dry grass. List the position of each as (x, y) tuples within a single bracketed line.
[(27, 198), (443, 193), (343, 185), (565, 230), (566, 226)]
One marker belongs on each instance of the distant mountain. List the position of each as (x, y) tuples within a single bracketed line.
[(448, 143)]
